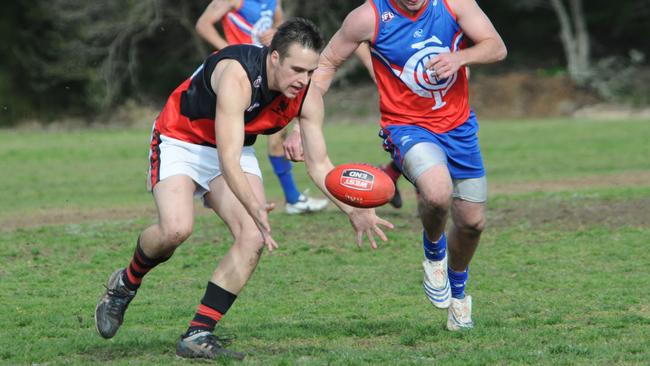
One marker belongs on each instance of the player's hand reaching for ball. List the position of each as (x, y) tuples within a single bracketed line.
[(365, 221)]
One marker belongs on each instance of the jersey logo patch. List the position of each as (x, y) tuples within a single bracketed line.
[(253, 106), (387, 16), (258, 82), (423, 81)]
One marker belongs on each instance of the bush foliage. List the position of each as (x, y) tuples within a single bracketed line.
[(64, 57)]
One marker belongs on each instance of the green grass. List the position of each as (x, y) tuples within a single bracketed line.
[(541, 297), (107, 168), (568, 290), (73, 169), (531, 150)]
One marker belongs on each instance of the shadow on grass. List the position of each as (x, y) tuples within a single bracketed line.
[(332, 329), (143, 347)]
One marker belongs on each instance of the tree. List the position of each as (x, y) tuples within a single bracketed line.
[(573, 34)]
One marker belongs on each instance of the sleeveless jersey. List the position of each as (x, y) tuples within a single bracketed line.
[(189, 114), (401, 46), (244, 24)]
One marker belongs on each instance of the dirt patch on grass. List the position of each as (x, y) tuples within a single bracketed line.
[(560, 213), (578, 214), (47, 217), (628, 179), (583, 214)]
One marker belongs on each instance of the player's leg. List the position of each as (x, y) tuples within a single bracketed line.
[(422, 161), (296, 202), (468, 223), (240, 261), (235, 268), (231, 274), (282, 168), (174, 199), (393, 171), (156, 244), (434, 199), (434, 186), (468, 217)]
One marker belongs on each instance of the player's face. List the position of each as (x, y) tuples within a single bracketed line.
[(411, 5), (294, 71)]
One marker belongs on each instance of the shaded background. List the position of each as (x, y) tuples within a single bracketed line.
[(61, 58)]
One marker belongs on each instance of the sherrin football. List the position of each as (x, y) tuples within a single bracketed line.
[(360, 185)]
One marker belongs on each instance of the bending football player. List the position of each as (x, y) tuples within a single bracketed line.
[(251, 90)]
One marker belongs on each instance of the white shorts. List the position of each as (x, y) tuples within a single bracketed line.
[(169, 156)]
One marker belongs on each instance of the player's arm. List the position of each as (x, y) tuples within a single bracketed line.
[(363, 53), (358, 27), (278, 15), (364, 221), (205, 25), (349, 39), (230, 77), (488, 46), (317, 161)]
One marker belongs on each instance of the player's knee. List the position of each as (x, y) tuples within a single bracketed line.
[(435, 200), (175, 234), (473, 226), (250, 237), (435, 194)]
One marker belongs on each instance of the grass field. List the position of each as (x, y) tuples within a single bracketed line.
[(561, 276)]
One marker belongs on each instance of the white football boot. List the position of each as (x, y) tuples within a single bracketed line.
[(305, 204), (436, 282), (460, 314)]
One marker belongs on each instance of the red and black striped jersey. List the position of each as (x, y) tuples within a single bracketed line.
[(189, 114)]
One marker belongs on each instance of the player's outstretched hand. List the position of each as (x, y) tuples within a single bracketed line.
[(365, 221)]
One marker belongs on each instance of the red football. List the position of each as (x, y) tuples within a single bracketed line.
[(360, 185)]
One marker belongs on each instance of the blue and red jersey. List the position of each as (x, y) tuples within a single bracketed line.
[(251, 18), (401, 46)]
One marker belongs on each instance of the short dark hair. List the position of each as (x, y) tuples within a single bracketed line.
[(297, 30)]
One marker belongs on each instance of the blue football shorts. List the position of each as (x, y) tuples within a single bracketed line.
[(415, 149)]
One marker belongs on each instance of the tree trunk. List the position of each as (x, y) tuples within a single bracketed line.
[(575, 39)]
